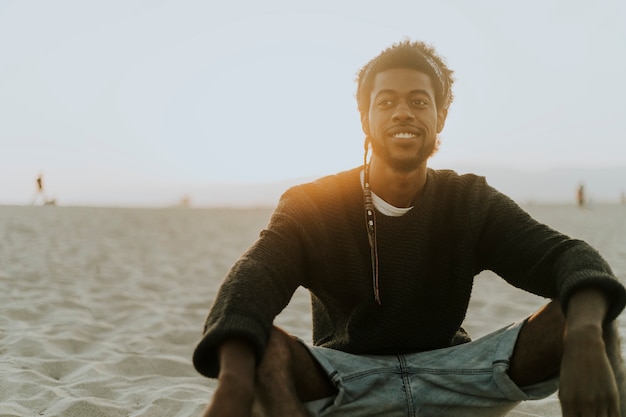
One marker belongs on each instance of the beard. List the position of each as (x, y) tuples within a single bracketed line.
[(405, 164)]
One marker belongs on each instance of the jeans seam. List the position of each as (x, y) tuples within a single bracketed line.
[(451, 371), (406, 384), (363, 374)]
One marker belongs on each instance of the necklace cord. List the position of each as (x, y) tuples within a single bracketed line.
[(370, 223)]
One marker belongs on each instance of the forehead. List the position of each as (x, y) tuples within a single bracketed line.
[(402, 80)]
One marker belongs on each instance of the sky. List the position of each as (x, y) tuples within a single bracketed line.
[(136, 101)]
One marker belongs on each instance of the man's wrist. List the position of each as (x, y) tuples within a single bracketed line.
[(237, 359), (587, 307)]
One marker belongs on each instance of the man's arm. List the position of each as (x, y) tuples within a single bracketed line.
[(235, 390), (587, 382)]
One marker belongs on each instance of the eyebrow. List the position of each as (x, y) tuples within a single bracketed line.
[(411, 93)]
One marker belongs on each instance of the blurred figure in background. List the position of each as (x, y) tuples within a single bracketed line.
[(40, 193), (580, 196)]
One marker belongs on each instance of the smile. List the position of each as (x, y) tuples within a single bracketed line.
[(404, 135)]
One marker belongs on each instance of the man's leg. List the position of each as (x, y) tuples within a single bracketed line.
[(614, 353), (539, 347), (288, 376)]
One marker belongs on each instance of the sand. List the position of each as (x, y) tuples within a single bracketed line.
[(100, 308)]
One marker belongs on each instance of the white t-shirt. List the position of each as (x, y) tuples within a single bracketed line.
[(384, 207)]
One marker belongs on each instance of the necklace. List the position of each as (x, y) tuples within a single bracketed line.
[(370, 223)]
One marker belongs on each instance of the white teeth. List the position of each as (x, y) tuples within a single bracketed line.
[(404, 135)]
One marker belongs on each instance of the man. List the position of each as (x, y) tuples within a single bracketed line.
[(389, 252)]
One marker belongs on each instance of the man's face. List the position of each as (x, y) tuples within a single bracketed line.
[(403, 121)]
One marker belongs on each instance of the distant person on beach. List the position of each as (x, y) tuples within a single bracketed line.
[(39, 192), (580, 196), (389, 251)]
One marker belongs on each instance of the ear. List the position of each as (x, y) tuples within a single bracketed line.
[(365, 124), (442, 114)]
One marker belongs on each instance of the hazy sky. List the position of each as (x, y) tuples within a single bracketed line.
[(111, 98)]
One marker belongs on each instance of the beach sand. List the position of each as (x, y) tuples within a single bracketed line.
[(101, 308)]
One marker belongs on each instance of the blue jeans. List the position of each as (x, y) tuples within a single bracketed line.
[(465, 380)]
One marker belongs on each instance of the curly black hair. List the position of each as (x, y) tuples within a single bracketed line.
[(407, 54)]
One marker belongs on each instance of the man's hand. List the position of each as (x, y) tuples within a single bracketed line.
[(587, 386), (234, 395), (587, 383)]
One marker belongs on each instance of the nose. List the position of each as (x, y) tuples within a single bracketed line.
[(402, 113)]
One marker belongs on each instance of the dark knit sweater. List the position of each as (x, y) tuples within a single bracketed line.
[(428, 258)]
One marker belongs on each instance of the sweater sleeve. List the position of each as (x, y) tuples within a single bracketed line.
[(536, 258), (256, 289)]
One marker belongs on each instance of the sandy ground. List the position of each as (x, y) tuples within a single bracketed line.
[(100, 308)]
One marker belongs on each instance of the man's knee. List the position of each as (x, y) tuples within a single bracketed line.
[(277, 359), (276, 385), (544, 330), (287, 360), (285, 357), (539, 346)]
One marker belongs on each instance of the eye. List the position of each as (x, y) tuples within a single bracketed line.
[(420, 102), (384, 103)]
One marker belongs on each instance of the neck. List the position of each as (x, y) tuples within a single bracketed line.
[(400, 189)]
